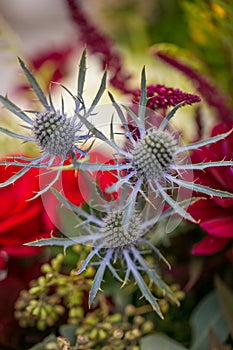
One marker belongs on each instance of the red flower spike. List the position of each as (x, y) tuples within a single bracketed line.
[(212, 95), (161, 96), (100, 44)]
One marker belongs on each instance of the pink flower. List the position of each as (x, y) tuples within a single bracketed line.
[(215, 214)]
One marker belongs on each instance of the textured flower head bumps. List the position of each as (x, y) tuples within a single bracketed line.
[(150, 169), (154, 160), (57, 135), (117, 236)]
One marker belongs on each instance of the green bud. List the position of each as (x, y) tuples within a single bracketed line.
[(76, 312), (130, 310), (139, 320), (102, 334), (93, 334), (46, 268), (35, 290), (118, 334), (43, 313), (136, 332), (59, 309), (91, 320), (89, 272), (36, 311), (41, 325), (180, 295), (48, 308), (116, 318), (57, 262), (42, 281), (107, 326), (147, 327), (133, 334)]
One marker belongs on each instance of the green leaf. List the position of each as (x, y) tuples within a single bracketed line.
[(200, 188), (225, 295), (64, 242), (13, 134), (68, 332), (205, 142), (160, 342), (119, 112), (175, 205), (151, 272), (202, 166), (145, 290), (42, 346), (99, 277), (98, 95), (15, 177), (82, 73), (15, 109), (170, 115), (34, 85), (143, 98), (207, 316), (134, 117)]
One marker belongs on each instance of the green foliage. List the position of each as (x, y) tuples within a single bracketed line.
[(101, 330), (207, 316), (211, 31), (52, 296), (160, 341)]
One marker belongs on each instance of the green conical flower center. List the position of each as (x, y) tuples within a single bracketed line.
[(153, 154), (54, 133), (119, 233)]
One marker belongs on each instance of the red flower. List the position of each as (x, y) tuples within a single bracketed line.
[(215, 214), (21, 220)]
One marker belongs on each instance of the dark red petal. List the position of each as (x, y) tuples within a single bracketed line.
[(209, 246)]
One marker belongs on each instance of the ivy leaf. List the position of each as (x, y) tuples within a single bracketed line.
[(226, 301), (207, 316), (160, 341)]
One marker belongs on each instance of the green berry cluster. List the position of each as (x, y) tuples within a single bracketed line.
[(53, 295), (98, 331)]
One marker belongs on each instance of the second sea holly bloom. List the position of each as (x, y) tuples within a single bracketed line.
[(117, 231), (57, 135), (153, 159)]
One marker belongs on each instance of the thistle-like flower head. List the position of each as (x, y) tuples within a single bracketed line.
[(117, 236), (154, 159), (153, 154), (57, 135)]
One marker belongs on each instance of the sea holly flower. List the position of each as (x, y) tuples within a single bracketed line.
[(57, 135), (116, 231), (154, 159)]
